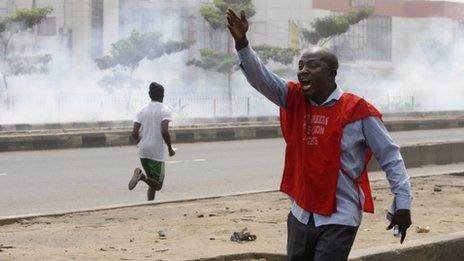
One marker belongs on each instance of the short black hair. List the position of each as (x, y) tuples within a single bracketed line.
[(325, 55), (330, 58), (156, 91)]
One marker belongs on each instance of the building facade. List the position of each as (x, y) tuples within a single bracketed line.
[(88, 27), (85, 29)]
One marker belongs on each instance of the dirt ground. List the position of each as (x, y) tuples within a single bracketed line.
[(203, 228)]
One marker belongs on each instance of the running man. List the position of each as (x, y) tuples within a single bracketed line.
[(151, 131)]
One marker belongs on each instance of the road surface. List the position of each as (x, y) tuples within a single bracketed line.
[(67, 180)]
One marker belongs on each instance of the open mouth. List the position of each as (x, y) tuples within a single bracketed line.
[(307, 84)]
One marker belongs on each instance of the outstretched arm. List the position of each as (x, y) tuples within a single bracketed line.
[(263, 80)]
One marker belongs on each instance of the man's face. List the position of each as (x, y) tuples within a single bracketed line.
[(314, 74)]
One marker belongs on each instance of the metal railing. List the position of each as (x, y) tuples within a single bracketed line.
[(66, 108)]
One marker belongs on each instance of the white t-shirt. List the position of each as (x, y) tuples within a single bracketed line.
[(151, 143)]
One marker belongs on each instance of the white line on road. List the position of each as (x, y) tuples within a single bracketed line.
[(181, 161), (174, 161), (3, 174)]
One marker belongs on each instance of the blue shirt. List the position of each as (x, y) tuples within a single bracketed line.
[(357, 137)]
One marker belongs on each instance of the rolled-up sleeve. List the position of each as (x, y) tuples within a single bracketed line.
[(262, 79), (388, 155)]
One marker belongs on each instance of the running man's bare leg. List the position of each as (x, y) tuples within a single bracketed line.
[(151, 182), (151, 194)]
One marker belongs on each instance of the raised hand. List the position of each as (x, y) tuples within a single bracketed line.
[(238, 26), (402, 218)]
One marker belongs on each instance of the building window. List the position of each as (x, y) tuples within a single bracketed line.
[(47, 27), (370, 39)]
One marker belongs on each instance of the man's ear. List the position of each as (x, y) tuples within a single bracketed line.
[(333, 74)]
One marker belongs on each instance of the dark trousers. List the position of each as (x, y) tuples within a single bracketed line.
[(324, 243)]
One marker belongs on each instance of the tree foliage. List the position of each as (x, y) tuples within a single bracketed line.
[(17, 65), (126, 55), (17, 22), (24, 19), (215, 13), (119, 81), (277, 54), (129, 52), (225, 63), (214, 60), (325, 28)]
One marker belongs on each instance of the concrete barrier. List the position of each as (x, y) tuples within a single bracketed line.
[(117, 133), (122, 137), (104, 138), (246, 257), (394, 121), (414, 155), (393, 124), (419, 155), (446, 247)]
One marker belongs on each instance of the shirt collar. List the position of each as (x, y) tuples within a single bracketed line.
[(333, 97)]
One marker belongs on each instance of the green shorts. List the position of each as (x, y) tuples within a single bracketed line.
[(154, 169)]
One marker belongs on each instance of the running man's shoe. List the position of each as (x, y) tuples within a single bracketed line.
[(135, 178)]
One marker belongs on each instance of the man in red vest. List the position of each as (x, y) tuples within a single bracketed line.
[(330, 136)]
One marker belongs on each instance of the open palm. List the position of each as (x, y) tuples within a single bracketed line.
[(238, 26)]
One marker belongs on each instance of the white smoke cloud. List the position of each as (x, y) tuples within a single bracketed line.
[(429, 77), (68, 93)]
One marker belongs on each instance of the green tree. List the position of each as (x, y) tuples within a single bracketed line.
[(215, 14), (225, 62), (126, 54), (325, 28), (214, 60), (283, 57), (14, 65)]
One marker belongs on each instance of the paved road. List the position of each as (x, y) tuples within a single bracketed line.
[(66, 180)]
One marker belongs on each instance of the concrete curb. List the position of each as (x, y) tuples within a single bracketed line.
[(128, 123), (6, 220), (442, 247), (414, 155), (418, 155), (123, 137), (436, 118), (392, 123), (106, 138), (246, 257)]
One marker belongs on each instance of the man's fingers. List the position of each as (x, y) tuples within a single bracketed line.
[(232, 14), (229, 16), (243, 16), (403, 235), (229, 20)]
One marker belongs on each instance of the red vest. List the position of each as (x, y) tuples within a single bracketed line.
[(312, 156)]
